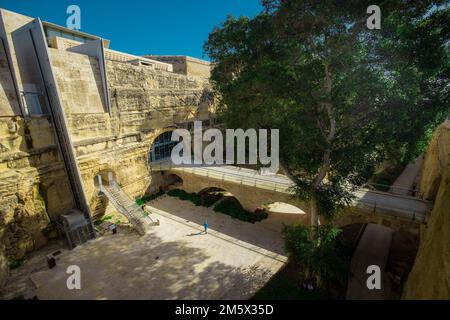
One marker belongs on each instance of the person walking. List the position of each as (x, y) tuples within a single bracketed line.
[(205, 225)]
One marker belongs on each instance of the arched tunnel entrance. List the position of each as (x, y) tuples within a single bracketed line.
[(99, 202), (162, 147)]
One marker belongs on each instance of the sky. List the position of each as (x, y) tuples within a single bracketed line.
[(171, 27)]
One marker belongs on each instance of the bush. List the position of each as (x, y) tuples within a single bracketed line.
[(209, 199), (100, 221), (235, 210), (183, 195), (148, 198), (15, 264), (323, 257)]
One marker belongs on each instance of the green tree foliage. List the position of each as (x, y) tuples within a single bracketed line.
[(323, 257), (344, 97)]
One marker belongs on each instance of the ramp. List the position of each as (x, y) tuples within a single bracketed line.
[(373, 249)]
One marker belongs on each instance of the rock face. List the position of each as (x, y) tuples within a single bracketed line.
[(430, 276), (3, 268), (436, 161)]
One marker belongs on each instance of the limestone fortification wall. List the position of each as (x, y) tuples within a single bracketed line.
[(33, 185), (34, 189), (144, 103), (186, 65), (430, 276)]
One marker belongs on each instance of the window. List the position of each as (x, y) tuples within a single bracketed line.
[(51, 32), (162, 147), (34, 100)]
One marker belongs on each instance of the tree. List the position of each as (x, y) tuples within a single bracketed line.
[(324, 258), (344, 97)]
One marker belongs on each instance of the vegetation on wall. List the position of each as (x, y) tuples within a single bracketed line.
[(15, 264)]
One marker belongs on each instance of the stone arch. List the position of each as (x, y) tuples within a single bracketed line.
[(160, 147), (207, 195), (250, 198), (163, 181), (357, 215)]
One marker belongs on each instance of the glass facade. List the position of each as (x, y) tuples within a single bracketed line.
[(162, 147), (51, 32)]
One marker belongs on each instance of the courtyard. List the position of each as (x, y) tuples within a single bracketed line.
[(175, 260)]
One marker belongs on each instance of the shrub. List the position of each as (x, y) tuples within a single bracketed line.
[(235, 210), (15, 264), (183, 195), (322, 257), (209, 199), (148, 198)]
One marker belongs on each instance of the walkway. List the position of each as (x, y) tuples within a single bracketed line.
[(404, 184), (376, 201), (373, 249), (174, 261)]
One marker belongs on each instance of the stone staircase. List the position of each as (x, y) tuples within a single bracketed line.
[(140, 220)]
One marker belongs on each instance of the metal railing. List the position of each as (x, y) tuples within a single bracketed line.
[(126, 206), (282, 184)]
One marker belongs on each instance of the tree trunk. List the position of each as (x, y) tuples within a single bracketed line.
[(326, 161), (313, 211)]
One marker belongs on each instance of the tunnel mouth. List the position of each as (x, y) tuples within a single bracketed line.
[(106, 176)]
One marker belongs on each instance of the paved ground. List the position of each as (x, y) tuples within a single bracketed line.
[(175, 260), (405, 182), (373, 249)]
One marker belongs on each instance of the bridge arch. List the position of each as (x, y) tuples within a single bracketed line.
[(214, 195), (250, 198)]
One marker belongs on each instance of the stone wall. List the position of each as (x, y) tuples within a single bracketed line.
[(187, 65), (430, 276), (33, 185), (144, 103), (252, 198), (436, 160), (34, 189)]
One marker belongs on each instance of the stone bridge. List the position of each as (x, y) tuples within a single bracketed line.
[(254, 190)]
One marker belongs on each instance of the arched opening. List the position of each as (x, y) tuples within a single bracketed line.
[(284, 208), (162, 147), (105, 177), (174, 181), (282, 213), (211, 196), (162, 182), (99, 202)]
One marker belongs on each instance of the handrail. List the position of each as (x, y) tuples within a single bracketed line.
[(129, 212), (282, 184)]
